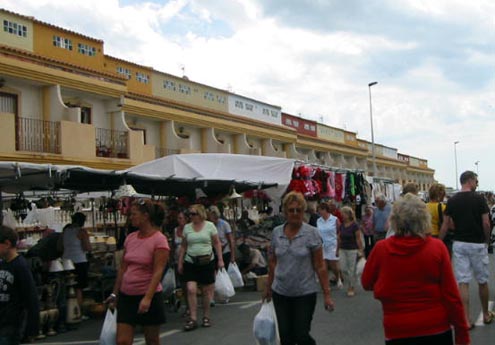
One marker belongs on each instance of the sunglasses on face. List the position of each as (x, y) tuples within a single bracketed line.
[(193, 213), (294, 210)]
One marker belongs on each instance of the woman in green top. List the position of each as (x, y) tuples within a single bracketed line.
[(196, 263)]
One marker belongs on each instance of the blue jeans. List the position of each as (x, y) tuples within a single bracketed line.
[(294, 316)]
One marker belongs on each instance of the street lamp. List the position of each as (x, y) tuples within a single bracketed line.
[(455, 159), (476, 163), (372, 133)]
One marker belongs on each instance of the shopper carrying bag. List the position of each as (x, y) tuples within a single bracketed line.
[(108, 335), (265, 326)]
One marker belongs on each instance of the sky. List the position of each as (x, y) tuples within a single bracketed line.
[(433, 60)]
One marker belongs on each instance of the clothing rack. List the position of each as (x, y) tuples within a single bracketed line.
[(298, 163)]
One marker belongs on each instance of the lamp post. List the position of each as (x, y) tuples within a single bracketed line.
[(476, 163), (455, 159), (372, 133)]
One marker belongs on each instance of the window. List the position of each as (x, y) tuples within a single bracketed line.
[(239, 104), (221, 99), (249, 107), (209, 96), (184, 89), (8, 103), (86, 115), (266, 111), (14, 28), (274, 113), (306, 126), (142, 78), (169, 85), (61, 42), (288, 122), (313, 128), (125, 72), (86, 50), (296, 123)]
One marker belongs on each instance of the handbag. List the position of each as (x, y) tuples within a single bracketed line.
[(201, 260)]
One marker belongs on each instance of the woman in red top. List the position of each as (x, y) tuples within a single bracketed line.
[(138, 284), (411, 274)]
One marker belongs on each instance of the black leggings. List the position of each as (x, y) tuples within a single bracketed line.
[(294, 316)]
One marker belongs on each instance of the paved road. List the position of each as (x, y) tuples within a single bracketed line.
[(356, 321)]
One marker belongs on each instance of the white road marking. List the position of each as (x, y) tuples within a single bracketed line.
[(249, 305), (74, 342), (162, 335)]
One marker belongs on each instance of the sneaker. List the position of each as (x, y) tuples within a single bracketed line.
[(350, 293), (340, 285)]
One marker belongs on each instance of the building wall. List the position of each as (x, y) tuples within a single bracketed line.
[(14, 39), (252, 109), (302, 126), (29, 99), (184, 91), (350, 139), (44, 37), (330, 133), (139, 78)]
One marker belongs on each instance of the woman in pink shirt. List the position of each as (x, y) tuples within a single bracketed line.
[(137, 287)]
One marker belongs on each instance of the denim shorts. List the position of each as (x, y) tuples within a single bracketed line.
[(469, 259)]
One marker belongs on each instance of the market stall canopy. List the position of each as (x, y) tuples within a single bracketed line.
[(254, 170), (16, 177)]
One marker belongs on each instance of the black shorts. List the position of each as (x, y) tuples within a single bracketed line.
[(204, 275), (127, 310), (81, 270)]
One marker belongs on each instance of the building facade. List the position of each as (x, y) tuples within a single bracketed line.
[(63, 101)]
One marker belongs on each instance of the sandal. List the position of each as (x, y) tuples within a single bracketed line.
[(206, 322), (471, 326), (187, 313), (489, 320), (190, 325)]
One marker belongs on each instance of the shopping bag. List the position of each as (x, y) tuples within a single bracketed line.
[(108, 335), (265, 327), (235, 275), (360, 266), (223, 286), (168, 282)]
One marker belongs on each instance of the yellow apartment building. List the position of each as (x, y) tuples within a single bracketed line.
[(63, 101)]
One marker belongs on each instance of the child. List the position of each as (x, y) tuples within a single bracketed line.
[(18, 298)]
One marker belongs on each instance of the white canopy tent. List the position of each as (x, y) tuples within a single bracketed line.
[(225, 167)]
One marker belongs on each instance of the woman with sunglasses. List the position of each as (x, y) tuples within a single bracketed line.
[(296, 257), (196, 263), (138, 286)]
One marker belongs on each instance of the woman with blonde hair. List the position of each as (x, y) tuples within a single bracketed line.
[(296, 257), (436, 193), (411, 274), (197, 264), (350, 246)]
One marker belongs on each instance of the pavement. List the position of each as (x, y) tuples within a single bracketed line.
[(355, 321)]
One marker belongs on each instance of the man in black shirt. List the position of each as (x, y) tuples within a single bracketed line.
[(18, 299), (467, 214)]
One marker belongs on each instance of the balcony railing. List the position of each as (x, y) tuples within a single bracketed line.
[(163, 151), (37, 135), (111, 143)]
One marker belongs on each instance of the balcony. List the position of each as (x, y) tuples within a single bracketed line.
[(111, 143), (37, 135), (163, 151)]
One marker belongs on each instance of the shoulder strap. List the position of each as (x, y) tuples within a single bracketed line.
[(440, 215)]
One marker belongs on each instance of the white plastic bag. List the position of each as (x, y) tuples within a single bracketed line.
[(108, 335), (360, 266), (265, 327), (235, 275), (168, 282), (223, 285)]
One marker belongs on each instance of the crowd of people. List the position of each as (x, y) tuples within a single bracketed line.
[(421, 258)]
